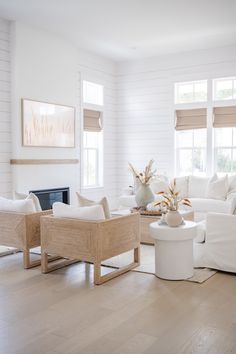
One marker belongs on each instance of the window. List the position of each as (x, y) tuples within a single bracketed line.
[(92, 93), (192, 91), (92, 159), (191, 151), (224, 89), (225, 150), (92, 136)]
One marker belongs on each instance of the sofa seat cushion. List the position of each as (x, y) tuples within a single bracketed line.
[(210, 205)]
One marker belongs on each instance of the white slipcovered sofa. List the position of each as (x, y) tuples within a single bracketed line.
[(206, 194), (215, 244)]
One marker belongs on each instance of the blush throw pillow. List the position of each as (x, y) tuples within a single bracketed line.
[(218, 189), (92, 213), (25, 206), (87, 202)]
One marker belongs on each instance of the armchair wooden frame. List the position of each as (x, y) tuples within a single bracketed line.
[(90, 241), (21, 231)]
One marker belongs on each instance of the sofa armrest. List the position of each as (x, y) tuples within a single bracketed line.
[(231, 199), (220, 228)]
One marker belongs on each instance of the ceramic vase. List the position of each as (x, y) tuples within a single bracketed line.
[(144, 195), (173, 218)]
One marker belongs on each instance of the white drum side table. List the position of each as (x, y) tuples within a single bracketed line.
[(174, 250)]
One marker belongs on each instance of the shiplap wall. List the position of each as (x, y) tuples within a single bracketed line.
[(5, 118), (145, 105)]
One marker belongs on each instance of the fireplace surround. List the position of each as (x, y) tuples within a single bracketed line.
[(49, 196)]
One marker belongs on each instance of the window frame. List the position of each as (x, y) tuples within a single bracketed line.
[(209, 104)]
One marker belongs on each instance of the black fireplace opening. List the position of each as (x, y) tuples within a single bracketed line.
[(49, 196)]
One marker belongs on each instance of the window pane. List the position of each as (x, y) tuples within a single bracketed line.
[(200, 92), (92, 93), (192, 91), (90, 167), (223, 137), (233, 165), (224, 89), (200, 138), (199, 161), (185, 161), (91, 139), (185, 93), (185, 138), (223, 160)]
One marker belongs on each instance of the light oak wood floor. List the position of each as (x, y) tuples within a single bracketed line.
[(63, 312)]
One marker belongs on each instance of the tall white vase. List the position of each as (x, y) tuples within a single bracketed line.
[(144, 195)]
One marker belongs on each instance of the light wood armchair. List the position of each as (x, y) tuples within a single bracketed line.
[(21, 231), (90, 241)]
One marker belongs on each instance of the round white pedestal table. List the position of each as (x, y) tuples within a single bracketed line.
[(173, 250)]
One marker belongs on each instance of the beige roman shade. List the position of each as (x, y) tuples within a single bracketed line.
[(224, 117), (191, 119), (92, 120)]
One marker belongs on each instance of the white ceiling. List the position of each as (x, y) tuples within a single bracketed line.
[(130, 29)]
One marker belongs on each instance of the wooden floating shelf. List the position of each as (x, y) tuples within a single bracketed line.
[(44, 161)]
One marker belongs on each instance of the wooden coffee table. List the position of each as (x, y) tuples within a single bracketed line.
[(146, 220)]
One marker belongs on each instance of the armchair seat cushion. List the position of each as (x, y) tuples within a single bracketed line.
[(205, 205)]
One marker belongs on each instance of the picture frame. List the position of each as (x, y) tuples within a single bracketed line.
[(47, 124)]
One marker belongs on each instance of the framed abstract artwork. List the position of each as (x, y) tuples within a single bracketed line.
[(47, 124)]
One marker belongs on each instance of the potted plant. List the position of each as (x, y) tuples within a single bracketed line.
[(144, 194), (171, 202)]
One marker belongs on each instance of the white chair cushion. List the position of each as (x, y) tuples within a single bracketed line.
[(93, 213), (87, 202), (198, 186), (25, 206), (218, 188), (21, 196)]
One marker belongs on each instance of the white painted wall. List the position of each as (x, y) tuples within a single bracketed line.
[(46, 68), (145, 104), (5, 109)]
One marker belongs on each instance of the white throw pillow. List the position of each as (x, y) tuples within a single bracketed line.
[(159, 184), (217, 189), (182, 186), (87, 202), (232, 184), (198, 187), (18, 206), (21, 196), (93, 213)]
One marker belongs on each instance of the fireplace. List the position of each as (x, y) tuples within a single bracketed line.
[(49, 196)]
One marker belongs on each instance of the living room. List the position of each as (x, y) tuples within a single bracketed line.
[(136, 81)]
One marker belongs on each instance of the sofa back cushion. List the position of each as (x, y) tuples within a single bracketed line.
[(159, 184), (92, 213), (198, 186), (25, 206), (182, 186)]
